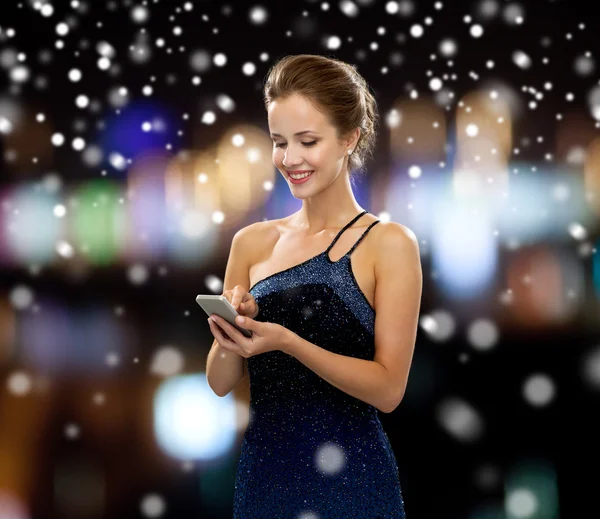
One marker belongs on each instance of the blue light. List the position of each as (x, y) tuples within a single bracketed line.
[(124, 132), (191, 422)]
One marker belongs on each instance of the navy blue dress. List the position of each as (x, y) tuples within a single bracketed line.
[(312, 451)]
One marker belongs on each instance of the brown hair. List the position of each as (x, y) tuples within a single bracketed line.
[(336, 89)]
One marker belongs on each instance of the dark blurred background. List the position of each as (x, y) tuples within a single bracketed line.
[(135, 144)]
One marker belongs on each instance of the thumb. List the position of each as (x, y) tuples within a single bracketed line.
[(246, 322)]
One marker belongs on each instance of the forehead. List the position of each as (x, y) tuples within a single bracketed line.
[(295, 113)]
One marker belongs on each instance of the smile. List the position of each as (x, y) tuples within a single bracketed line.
[(299, 178)]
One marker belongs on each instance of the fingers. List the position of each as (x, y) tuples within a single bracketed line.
[(234, 296), (238, 295), (241, 298), (221, 337), (242, 301), (228, 294), (214, 331), (233, 333)]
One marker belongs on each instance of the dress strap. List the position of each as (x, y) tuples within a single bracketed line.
[(361, 237), (344, 228)]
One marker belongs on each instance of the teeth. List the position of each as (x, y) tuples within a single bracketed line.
[(303, 175)]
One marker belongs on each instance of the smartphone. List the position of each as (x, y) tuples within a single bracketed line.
[(219, 305)]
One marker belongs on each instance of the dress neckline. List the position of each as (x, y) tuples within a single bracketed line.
[(324, 253)]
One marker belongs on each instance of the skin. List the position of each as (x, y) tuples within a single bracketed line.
[(327, 198)]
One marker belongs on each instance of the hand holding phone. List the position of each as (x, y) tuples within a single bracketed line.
[(214, 304), (242, 301)]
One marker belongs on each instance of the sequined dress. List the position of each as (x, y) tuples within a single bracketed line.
[(312, 451)]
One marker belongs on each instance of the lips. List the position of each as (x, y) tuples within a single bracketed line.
[(301, 180)]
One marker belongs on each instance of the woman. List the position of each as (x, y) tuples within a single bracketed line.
[(321, 360)]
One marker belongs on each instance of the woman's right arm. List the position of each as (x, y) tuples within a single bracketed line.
[(225, 369)]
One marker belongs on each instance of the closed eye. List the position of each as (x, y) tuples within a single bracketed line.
[(307, 144)]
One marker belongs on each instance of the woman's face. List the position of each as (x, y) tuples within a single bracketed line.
[(317, 150)]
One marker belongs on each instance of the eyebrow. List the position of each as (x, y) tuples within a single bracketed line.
[(297, 133)]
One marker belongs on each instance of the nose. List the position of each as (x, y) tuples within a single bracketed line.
[(290, 159)]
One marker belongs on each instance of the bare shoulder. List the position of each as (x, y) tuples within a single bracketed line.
[(255, 236), (395, 230), (262, 229), (393, 242)]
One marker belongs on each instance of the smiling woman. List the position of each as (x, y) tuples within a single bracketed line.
[(314, 444)]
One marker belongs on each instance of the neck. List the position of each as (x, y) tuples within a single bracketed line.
[(331, 208), (311, 222)]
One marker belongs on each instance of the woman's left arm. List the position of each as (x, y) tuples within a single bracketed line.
[(382, 381), (363, 379)]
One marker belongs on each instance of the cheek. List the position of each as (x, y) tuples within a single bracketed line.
[(317, 157)]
